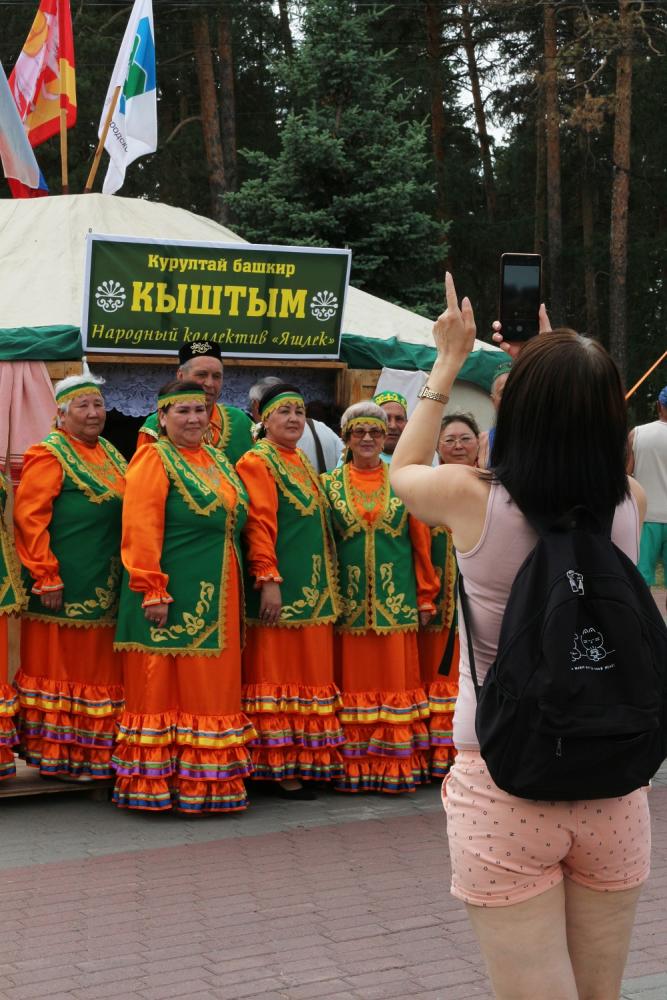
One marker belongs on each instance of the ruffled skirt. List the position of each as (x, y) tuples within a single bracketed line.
[(384, 713), (70, 690), (442, 691), (8, 708), (182, 737), (290, 696)]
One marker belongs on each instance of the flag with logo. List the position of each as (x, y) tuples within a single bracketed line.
[(18, 159), (43, 79), (133, 128)]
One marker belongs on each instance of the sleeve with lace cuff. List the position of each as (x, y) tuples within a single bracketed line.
[(156, 597), (47, 584)]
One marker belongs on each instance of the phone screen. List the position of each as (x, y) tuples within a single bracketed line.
[(520, 295)]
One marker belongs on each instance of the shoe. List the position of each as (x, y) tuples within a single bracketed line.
[(302, 794)]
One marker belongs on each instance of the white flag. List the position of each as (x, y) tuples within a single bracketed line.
[(133, 129), (18, 159)]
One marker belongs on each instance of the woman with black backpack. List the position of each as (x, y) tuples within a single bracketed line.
[(551, 881)]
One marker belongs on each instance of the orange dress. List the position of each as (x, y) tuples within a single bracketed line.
[(288, 670), (12, 597), (384, 704), (70, 680), (182, 736), (439, 642)]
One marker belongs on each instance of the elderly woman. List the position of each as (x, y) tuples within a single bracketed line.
[(388, 589), (458, 444), (12, 599), (182, 737), (67, 516), (292, 602)]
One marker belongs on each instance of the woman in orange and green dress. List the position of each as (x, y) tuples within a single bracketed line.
[(67, 517), (388, 587), (182, 738), (12, 600), (291, 605), (458, 444)]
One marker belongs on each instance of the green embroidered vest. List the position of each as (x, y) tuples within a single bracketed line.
[(84, 536), (201, 537), (375, 561), (12, 591), (235, 431), (305, 550), (444, 562)]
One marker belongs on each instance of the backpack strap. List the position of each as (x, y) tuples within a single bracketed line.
[(321, 463), (465, 609), (577, 518)]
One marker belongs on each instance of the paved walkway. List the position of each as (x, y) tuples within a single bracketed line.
[(343, 898)]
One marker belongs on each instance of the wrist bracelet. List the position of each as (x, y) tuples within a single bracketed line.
[(438, 397)]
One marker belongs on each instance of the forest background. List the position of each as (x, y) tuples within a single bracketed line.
[(421, 134)]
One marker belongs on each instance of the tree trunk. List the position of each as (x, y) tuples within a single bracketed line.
[(433, 52), (210, 118), (552, 122), (227, 97), (285, 30), (620, 193), (480, 116), (539, 237)]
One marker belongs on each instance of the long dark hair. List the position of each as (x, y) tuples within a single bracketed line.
[(561, 432)]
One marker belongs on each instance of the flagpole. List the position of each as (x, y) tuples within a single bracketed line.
[(63, 150), (64, 172), (103, 138), (645, 376)]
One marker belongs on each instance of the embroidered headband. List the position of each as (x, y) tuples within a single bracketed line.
[(389, 396), (373, 421), (185, 395), (81, 389), (280, 400)]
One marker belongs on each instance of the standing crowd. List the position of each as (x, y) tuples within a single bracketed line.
[(222, 608)]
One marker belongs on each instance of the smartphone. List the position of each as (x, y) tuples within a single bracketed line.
[(520, 295)]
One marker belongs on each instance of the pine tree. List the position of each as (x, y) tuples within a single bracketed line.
[(351, 170)]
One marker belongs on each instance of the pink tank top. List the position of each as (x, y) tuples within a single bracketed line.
[(489, 570)]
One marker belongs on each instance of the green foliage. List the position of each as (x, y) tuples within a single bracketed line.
[(353, 168)]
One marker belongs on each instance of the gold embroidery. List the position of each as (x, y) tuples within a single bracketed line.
[(193, 623), (97, 483), (107, 597), (198, 487), (313, 597)]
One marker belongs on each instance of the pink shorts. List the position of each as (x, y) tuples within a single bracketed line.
[(504, 849)]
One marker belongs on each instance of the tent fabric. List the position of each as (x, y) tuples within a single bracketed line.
[(365, 352), (40, 343), (42, 258)]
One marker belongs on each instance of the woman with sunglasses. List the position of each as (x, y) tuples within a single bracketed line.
[(388, 586)]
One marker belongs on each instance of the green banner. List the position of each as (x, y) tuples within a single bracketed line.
[(150, 297)]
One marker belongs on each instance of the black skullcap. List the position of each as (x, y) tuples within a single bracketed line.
[(199, 349)]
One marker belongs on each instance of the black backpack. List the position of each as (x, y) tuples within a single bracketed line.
[(575, 704)]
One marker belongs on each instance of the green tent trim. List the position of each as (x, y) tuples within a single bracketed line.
[(40, 343), (370, 352)]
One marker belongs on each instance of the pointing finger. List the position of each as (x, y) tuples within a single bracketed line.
[(450, 292)]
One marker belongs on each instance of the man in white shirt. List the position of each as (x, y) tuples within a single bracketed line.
[(322, 446), (647, 462)]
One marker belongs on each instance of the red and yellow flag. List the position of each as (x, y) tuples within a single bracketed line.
[(42, 80)]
